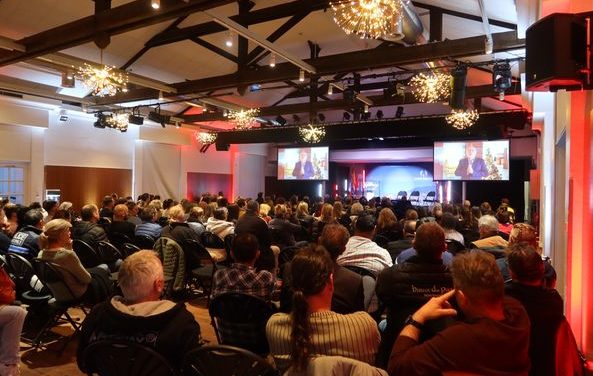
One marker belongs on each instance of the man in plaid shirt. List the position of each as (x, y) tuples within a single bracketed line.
[(241, 276)]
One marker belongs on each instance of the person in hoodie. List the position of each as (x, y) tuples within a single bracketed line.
[(26, 241), (139, 316), (87, 229)]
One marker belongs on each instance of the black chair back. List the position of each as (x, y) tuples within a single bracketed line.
[(86, 254), (287, 254), (228, 246), (118, 239), (415, 196), (22, 271), (120, 358), (144, 241), (129, 249), (51, 275), (244, 327), (108, 252), (225, 360), (211, 240), (454, 246)]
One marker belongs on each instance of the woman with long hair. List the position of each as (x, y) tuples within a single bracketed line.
[(312, 329), (326, 217)]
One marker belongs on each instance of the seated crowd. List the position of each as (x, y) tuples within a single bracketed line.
[(354, 285)]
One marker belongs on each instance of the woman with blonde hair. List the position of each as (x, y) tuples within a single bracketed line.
[(56, 247), (326, 217), (388, 228)]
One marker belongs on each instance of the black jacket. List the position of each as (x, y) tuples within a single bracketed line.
[(545, 309), (88, 232), (283, 232), (123, 227), (250, 223), (171, 333), (180, 232), (4, 242), (404, 288)]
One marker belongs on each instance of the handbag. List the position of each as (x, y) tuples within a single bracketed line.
[(7, 292)]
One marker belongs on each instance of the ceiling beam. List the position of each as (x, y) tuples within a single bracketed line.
[(378, 101), (217, 50), (252, 18), (489, 125), (133, 15), (341, 63), (467, 16)]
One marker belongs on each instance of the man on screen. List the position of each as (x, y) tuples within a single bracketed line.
[(303, 169), (471, 167)]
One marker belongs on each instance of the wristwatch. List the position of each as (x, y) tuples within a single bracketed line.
[(411, 321)]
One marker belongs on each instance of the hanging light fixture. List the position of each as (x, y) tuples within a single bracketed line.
[(206, 138), (311, 133), (155, 4), (118, 122), (462, 119), (229, 39), (103, 80), (368, 18), (272, 60), (431, 88), (302, 75), (244, 119)]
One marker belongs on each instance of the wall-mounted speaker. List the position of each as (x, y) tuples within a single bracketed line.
[(556, 53)]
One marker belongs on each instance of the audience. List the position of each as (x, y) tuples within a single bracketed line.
[(395, 248), (544, 306), (148, 227), (194, 220), (107, 207), (492, 339), (218, 224), (120, 224), (326, 217), (283, 229), (388, 227), (87, 229), (140, 316), (241, 276), (133, 210), (252, 223), (449, 223), (177, 229), (362, 254), (312, 329), (50, 207), (489, 238)]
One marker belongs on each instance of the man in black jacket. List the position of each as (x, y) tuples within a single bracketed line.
[(140, 316), (405, 287), (252, 223), (88, 230)]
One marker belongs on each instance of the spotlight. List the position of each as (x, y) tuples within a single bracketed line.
[(155, 4), (366, 108), (68, 80), (390, 91), (302, 75), (125, 88), (321, 117), (161, 98), (273, 60), (330, 89), (366, 116), (135, 119), (379, 114), (346, 116), (458, 79), (399, 112), (229, 39), (101, 120), (280, 120), (502, 78), (158, 118), (63, 115), (296, 118)]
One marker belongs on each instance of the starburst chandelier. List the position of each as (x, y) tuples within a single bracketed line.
[(103, 80), (431, 88), (244, 119), (311, 134), (206, 138), (462, 119), (371, 19), (118, 122)]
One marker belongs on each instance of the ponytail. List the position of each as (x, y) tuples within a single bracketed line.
[(300, 336)]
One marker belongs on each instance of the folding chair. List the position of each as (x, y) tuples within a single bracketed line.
[(87, 255), (225, 360)]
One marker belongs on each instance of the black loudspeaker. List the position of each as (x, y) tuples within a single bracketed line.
[(222, 147), (458, 81), (556, 53)]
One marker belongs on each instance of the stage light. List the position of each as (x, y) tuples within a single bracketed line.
[(399, 112), (155, 4), (381, 139), (379, 114), (330, 89), (68, 80), (296, 118), (502, 78), (161, 97), (346, 116), (135, 119), (302, 75), (349, 94), (229, 39), (272, 60), (280, 120), (458, 80), (366, 108), (321, 117), (366, 116)]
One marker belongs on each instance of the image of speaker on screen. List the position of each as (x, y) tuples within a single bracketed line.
[(471, 167), (303, 168)]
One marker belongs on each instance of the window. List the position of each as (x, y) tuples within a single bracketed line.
[(12, 183)]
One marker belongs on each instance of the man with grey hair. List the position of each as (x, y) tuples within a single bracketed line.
[(489, 238), (140, 316)]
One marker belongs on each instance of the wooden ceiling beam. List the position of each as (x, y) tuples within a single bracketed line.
[(341, 63), (133, 15), (378, 100), (255, 17)]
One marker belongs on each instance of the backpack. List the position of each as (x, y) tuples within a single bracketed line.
[(172, 257)]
